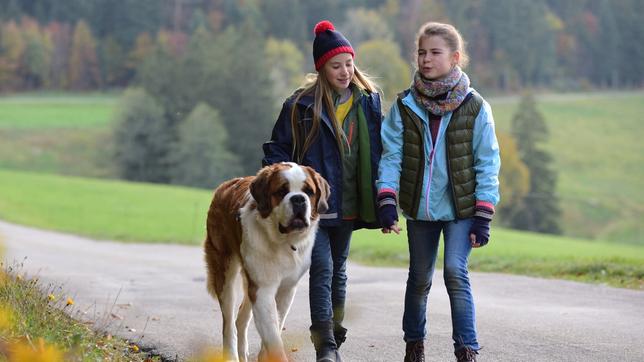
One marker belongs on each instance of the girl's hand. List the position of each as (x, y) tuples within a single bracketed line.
[(395, 228), (473, 241)]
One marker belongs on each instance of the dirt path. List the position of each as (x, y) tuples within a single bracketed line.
[(161, 295)]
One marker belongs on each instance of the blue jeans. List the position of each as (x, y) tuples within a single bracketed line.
[(328, 276), (423, 237)]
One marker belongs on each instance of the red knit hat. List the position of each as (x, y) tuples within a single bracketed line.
[(328, 43)]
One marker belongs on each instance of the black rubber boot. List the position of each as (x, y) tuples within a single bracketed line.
[(340, 334), (324, 341)]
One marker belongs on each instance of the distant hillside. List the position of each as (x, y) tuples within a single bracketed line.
[(595, 139)]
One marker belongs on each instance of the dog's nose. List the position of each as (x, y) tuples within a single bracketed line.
[(298, 200)]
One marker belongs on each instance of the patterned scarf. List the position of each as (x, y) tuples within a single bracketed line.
[(431, 93)]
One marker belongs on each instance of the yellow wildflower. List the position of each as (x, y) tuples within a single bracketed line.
[(51, 297), (22, 352), (134, 348), (70, 301), (6, 318)]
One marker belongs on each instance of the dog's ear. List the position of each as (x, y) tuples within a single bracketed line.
[(323, 190), (259, 191)]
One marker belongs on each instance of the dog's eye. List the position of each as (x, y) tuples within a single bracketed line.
[(281, 192), (308, 190)]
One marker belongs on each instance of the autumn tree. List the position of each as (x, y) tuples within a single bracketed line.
[(381, 59), (13, 48), (286, 72), (83, 62), (61, 40), (143, 47), (37, 55), (363, 25), (514, 179)]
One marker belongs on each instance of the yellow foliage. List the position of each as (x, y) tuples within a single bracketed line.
[(23, 352), (6, 318), (514, 178)]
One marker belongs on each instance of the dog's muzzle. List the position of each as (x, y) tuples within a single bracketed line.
[(299, 220)]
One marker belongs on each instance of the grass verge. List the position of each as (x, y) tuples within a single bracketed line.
[(36, 325), (524, 253)]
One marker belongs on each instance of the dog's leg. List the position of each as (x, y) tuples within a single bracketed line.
[(243, 319), (267, 322), (228, 302), (284, 299)]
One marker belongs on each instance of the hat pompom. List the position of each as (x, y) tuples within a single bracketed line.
[(322, 26)]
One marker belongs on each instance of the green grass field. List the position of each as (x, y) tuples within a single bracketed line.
[(104, 209), (38, 111), (595, 140), (58, 133), (156, 213)]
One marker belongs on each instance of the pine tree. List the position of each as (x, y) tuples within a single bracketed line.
[(539, 210)]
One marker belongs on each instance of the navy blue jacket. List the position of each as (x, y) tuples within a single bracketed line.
[(324, 155)]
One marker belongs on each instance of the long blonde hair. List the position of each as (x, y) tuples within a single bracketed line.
[(318, 85)]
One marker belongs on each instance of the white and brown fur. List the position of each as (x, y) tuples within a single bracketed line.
[(260, 233)]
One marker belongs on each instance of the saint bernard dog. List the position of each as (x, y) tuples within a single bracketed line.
[(260, 233)]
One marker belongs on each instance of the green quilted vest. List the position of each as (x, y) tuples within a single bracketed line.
[(460, 157)]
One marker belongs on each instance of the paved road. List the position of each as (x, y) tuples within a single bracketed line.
[(162, 297)]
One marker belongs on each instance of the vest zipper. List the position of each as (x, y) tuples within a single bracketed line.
[(431, 166), (429, 183)]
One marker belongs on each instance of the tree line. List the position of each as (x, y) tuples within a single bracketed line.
[(573, 44), (205, 78)]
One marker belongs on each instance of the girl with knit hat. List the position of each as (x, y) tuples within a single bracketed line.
[(332, 124), (445, 180)]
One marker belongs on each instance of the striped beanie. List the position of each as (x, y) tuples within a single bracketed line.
[(328, 43)]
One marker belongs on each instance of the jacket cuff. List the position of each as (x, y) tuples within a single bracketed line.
[(386, 197), (484, 210), (387, 191)]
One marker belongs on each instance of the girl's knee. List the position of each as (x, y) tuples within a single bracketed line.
[(455, 272)]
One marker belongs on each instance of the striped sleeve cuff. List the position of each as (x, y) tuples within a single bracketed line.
[(484, 210), (386, 197)]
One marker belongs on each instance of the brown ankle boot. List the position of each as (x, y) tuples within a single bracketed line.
[(415, 351), (466, 354)]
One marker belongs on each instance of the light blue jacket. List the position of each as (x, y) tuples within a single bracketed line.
[(436, 200)]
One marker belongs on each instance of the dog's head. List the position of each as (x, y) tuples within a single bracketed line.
[(290, 194)]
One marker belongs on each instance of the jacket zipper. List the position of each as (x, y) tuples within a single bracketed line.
[(431, 168)]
